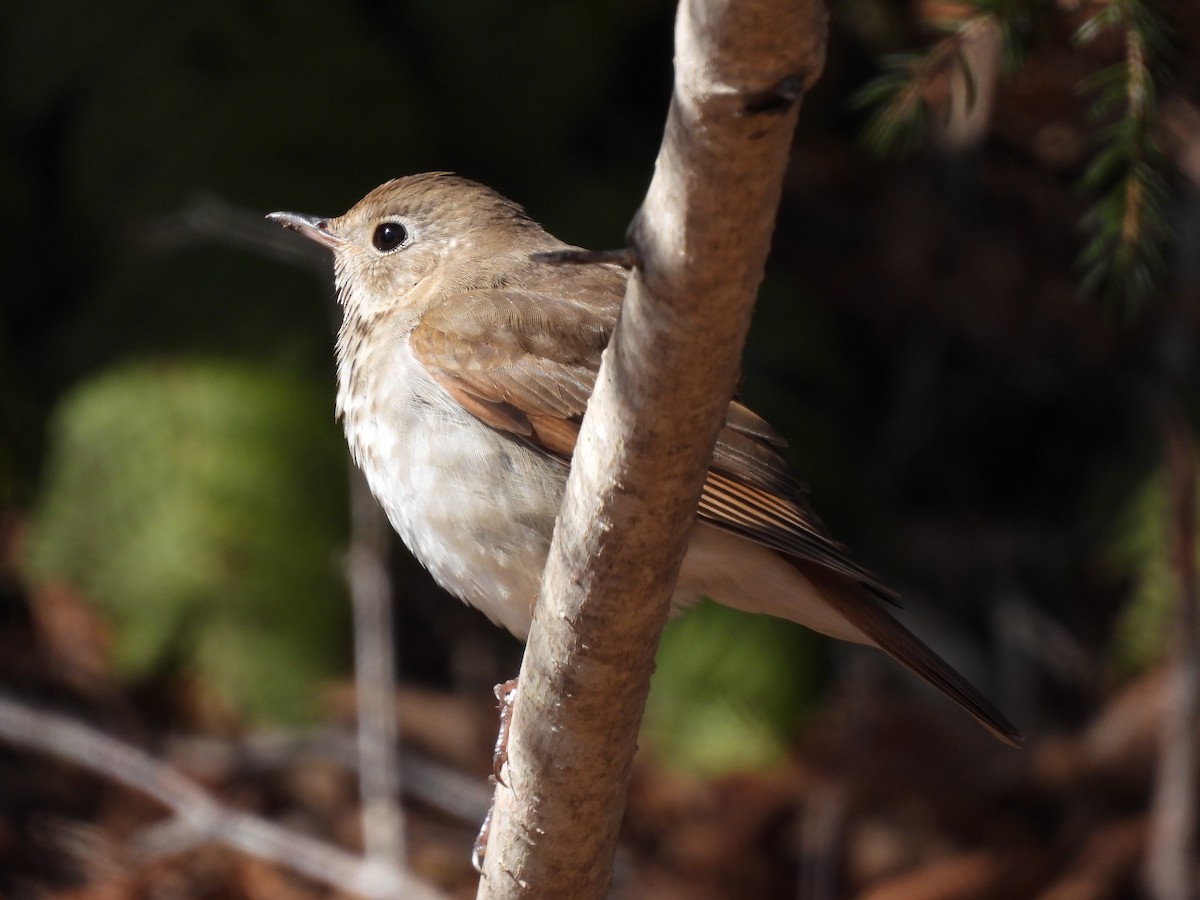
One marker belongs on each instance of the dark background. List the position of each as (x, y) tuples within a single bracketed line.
[(172, 500)]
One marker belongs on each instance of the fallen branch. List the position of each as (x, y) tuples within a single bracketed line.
[(197, 810), (426, 780)]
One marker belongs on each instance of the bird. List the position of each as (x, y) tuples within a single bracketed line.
[(465, 362)]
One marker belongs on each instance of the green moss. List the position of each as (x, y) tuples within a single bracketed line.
[(201, 506), (1140, 550), (730, 690)]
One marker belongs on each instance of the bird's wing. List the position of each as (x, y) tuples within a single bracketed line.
[(499, 356), (503, 359)]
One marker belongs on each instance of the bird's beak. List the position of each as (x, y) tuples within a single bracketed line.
[(315, 228)]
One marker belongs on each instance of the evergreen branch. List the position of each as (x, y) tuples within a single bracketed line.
[(901, 96), (1124, 258), (905, 95)]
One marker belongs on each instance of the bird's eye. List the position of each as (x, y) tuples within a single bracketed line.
[(389, 236)]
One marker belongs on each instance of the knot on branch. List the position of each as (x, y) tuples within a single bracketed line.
[(776, 100)]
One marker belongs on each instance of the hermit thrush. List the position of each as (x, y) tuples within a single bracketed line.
[(464, 368)]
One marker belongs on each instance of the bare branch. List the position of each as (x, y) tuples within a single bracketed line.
[(668, 373), (821, 835), (973, 83), (1170, 856), (374, 675), (212, 220), (65, 738), (426, 780)]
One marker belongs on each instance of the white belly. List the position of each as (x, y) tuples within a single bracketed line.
[(475, 508)]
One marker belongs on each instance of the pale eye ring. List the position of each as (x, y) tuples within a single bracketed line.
[(388, 236)]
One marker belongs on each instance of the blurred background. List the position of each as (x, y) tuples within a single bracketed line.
[(977, 332)]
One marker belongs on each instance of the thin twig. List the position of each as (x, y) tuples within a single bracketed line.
[(211, 220), (822, 826), (426, 780), (1171, 856), (195, 809), (374, 675)]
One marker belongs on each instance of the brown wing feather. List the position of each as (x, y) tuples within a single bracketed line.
[(741, 418), (906, 648), (499, 355), (780, 524), (498, 414), (558, 436), (748, 459)]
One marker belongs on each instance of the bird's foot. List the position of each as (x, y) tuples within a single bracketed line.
[(506, 694)]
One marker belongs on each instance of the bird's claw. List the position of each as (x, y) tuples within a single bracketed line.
[(506, 694)]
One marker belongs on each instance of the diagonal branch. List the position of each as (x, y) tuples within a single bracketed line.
[(197, 810), (702, 235), (1169, 869)]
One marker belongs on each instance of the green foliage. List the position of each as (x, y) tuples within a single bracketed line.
[(1123, 260), (898, 100), (897, 122), (1140, 551), (730, 690), (1021, 22), (200, 506)]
